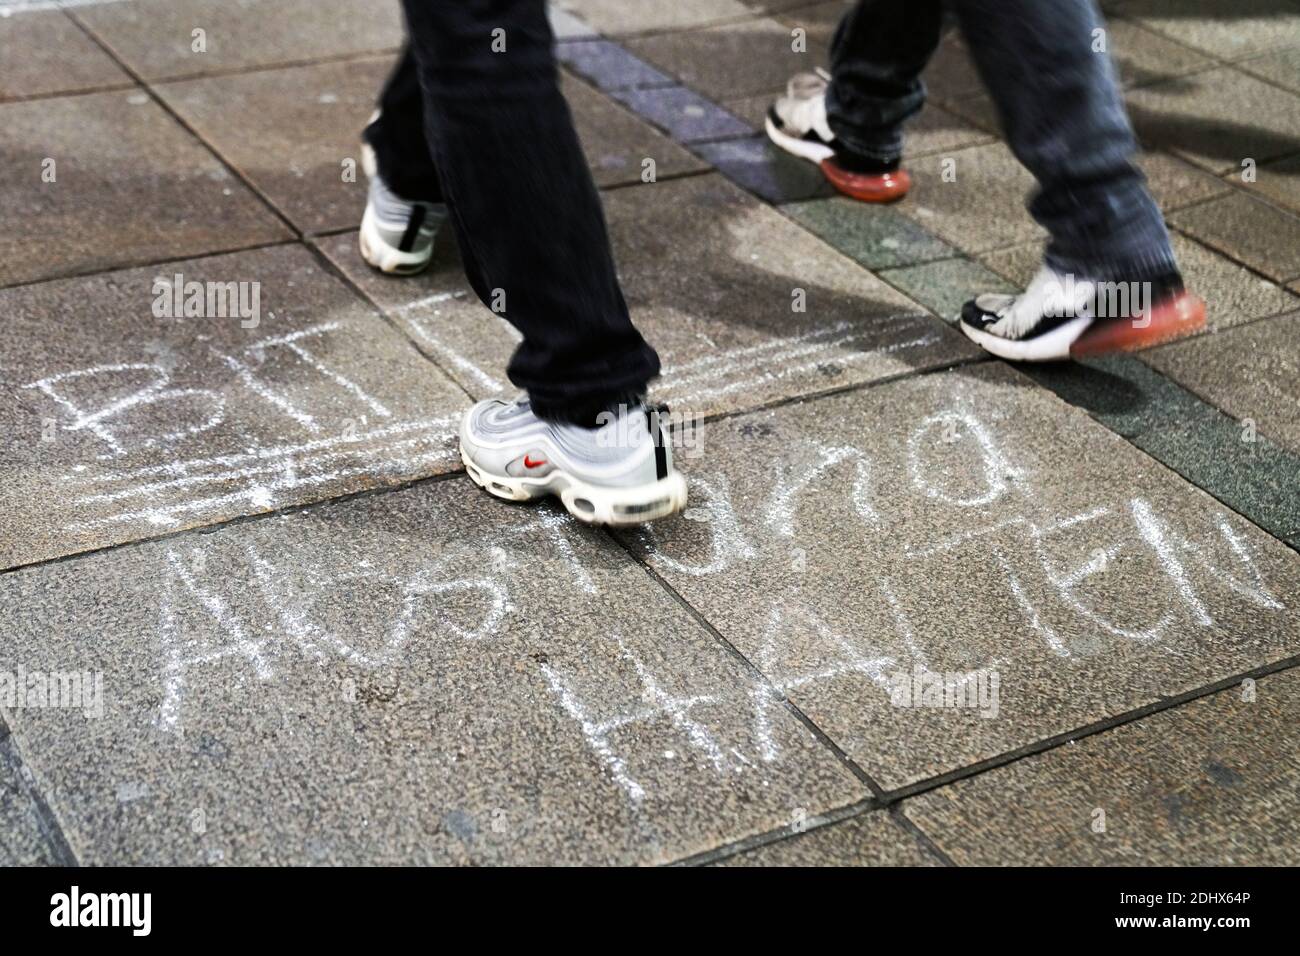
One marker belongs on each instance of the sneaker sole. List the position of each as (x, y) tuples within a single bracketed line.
[(592, 504), (1085, 337), (1184, 316), (380, 255), (885, 188)]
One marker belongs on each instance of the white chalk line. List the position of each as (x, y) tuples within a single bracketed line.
[(35, 6), (153, 488), (165, 515), (182, 468), (765, 377)]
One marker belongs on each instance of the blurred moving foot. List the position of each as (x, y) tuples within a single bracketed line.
[(797, 123), (619, 474), (1059, 317), (396, 234)]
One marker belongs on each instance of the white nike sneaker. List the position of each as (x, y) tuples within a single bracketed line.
[(1059, 317), (619, 474), (397, 235), (797, 123)]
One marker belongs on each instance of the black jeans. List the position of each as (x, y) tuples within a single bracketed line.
[(487, 131), (1058, 101)]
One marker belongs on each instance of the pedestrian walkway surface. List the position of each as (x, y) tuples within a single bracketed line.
[(924, 607)]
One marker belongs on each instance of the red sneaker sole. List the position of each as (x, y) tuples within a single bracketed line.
[(1181, 316), (867, 187)]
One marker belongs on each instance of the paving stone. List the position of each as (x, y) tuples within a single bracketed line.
[(1258, 479), (768, 172), (23, 841), (46, 53), (294, 129), (945, 286), (732, 60), (877, 237), (982, 209), (1278, 181), (1174, 183), (870, 839), (819, 20), (1233, 294), (1281, 67), (566, 26), (129, 423), (711, 278), (951, 74), (294, 132), (1250, 231), (1142, 56), (831, 565), (131, 185), (1218, 118), (609, 66), (1251, 373), (617, 143), (426, 676), (1243, 28), (612, 17), (1211, 783), (685, 115), (156, 37)]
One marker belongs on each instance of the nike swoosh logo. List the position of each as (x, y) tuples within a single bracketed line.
[(529, 463)]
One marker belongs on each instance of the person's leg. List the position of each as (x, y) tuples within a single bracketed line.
[(396, 135), (1060, 106), (877, 55), (851, 123), (404, 207), (531, 230)]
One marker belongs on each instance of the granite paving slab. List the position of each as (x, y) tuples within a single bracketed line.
[(46, 53), (1217, 119), (195, 392), (1238, 465), (1175, 183), (713, 280), (23, 838), (618, 143), (426, 676), (945, 286), (1211, 783), (870, 839), (1252, 373), (1241, 28), (876, 236), (685, 115), (109, 179), (615, 17), (609, 66), (974, 198), (1281, 67), (294, 132), (758, 166), (1255, 233), (157, 38), (936, 570), (733, 60), (1278, 181)]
